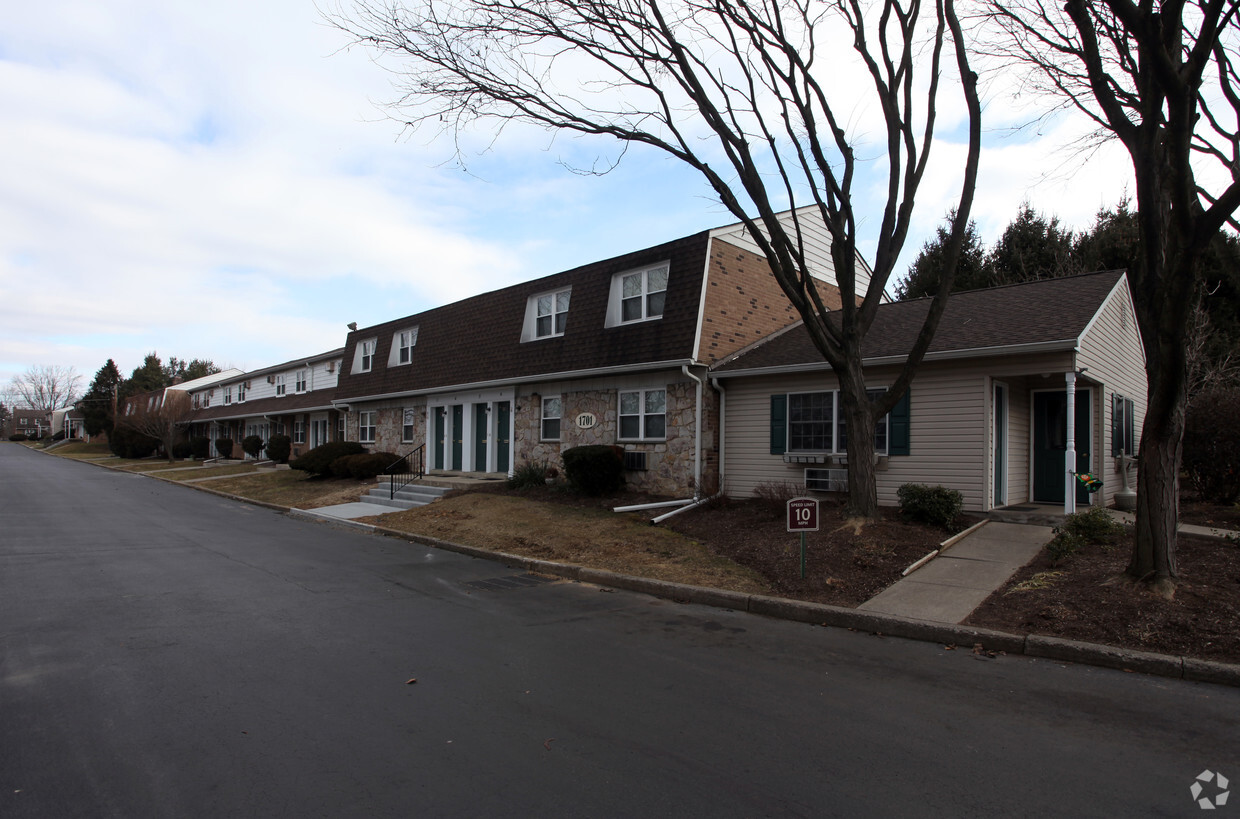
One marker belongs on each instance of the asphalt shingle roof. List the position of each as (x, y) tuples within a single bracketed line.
[(1037, 312)]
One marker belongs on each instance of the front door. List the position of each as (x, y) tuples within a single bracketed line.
[(480, 437), (439, 438), (502, 442), (458, 435), (1050, 442)]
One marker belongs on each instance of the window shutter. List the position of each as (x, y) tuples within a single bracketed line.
[(1117, 426), (1130, 422), (779, 424), (899, 421)]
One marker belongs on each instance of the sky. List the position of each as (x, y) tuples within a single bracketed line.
[(220, 181)]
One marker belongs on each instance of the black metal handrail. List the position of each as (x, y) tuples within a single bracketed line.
[(407, 470)]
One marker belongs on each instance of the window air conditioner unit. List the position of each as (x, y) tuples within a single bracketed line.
[(826, 480), (331, 366), (271, 379), (634, 461)]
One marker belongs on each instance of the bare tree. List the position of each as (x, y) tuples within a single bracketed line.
[(742, 92), (48, 387), (1160, 77), (160, 414)]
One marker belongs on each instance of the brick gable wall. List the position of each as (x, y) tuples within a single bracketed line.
[(744, 303)]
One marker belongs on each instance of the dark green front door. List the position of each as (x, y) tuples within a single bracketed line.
[(458, 434), (1050, 439), (480, 437), (502, 443), (439, 437)]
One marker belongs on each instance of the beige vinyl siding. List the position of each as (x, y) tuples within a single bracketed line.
[(817, 246), (951, 426), (1112, 353)]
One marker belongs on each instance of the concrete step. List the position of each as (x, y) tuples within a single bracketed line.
[(407, 497), (1036, 514)]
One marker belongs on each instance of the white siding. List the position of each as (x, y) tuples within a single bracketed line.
[(950, 439), (817, 246), (1112, 353)]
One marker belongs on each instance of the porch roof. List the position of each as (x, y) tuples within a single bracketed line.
[(1033, 316)]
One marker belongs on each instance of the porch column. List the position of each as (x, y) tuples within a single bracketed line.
[(1069, 456)]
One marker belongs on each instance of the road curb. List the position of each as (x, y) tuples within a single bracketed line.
[(1031, 645)]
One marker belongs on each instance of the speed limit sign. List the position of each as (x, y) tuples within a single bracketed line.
[(803, 515)]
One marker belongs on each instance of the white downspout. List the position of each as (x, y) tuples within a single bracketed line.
[(722, 406), (697, 434)]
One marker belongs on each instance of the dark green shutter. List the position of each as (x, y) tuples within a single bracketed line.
[(1130, 427), (1117, 425), (779, 424), (899, 423)]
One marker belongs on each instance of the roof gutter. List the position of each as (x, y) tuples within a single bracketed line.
[(517, 381), (1061, 345)]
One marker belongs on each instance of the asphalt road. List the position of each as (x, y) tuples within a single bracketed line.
[(168, 653)]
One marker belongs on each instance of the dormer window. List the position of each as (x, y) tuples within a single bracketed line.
[(551, 314), (638, 295), (402, 347), (364, 356)]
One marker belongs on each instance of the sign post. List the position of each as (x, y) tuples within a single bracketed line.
[(802, 518)]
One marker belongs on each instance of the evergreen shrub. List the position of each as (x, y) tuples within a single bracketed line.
[(595, 469), (318, 461), (224, 447), (934, 505), (363, 466), (252, 445), (279, 447)]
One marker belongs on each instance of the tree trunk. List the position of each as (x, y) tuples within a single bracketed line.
[(1158, 491), (859, 417)]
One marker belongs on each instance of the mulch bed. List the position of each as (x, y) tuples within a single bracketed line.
[(1089, 600)]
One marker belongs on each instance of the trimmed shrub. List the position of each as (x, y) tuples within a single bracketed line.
[(128, 443), (182, 449), (1090, 527), (363, 466), (59, 436), (530, 473), (200, 448), (224, 447), (935, 505), (17, 436), (252, 445), (318, 461), (1212, 444), (279, 447), (594, 470)]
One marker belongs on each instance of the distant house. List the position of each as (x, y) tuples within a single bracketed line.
[(70, 421), (293, 398), (616, 352), (31, 423), (987, 413)]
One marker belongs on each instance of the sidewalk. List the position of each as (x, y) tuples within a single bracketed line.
[(952, 585)]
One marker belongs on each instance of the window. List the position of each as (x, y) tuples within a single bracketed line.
[(299, 432), (241, 391), (551, 314), (816, 423), (552, 409), (811, 417), (1123, 426), (643, 414), (405, 342), (228, 395), (368, 355), (642, 293), (406, 429), (366, 427), (279, 382), (299, 383)]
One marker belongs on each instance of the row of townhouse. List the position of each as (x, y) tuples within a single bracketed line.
[(29, 422), (688, 357)]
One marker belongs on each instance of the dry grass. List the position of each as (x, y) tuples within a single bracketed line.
[(83, 450), (213, 471), (588, 537), (289, 487)]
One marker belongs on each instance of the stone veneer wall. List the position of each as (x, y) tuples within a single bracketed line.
[(388, 423), (669, 463)]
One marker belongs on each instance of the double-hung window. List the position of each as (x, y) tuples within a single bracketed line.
[(643, 415), (366, 427), (405, 341), (299, 432), (406, 429), (552, 411), (642, 293), (551, 314), (228, 395), (816, 423), (880, 427), (279, 381), (368, 355), (241, 391), (1123, 426), (300, 382)]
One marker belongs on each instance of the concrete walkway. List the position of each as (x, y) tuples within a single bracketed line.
[(348, 511), (950, 587)]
